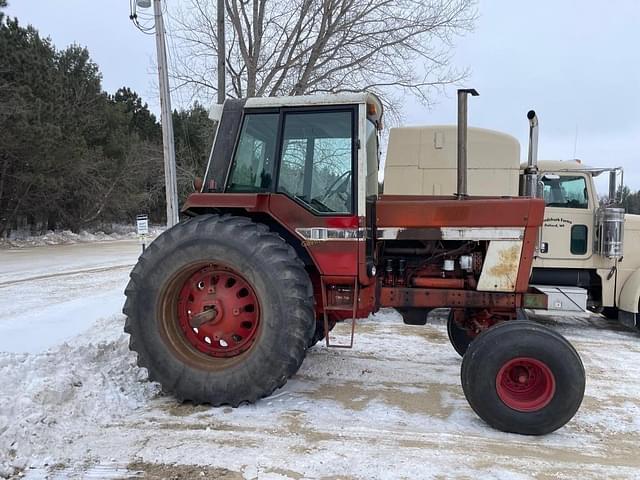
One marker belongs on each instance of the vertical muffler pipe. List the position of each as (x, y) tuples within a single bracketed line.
[(463, 93), (613, 187), (531, 175)]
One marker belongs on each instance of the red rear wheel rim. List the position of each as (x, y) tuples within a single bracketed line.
[(525, 384), (232, 327)]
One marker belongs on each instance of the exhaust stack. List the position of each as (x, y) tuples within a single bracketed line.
[(463, 93), (531, 176)]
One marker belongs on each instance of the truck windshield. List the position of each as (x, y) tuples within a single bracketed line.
[(566, 192)]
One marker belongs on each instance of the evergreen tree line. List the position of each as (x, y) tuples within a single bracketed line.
[(73, 156), (630, 200)]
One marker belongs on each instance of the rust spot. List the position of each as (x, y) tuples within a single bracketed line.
[(507, 266)]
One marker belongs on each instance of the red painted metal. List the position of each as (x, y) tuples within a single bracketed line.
[(436, 212), (246, 201), (330, 258), (525, 384), (437, 282), (232, 326), (526, 256), (348, 259)]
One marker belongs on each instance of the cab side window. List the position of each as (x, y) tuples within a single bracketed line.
[(253, 162), (317, 158), (565, 192)]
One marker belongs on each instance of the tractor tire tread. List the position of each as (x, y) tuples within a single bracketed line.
[(282, 359)]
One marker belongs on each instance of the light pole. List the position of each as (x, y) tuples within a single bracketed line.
[(221, 54), (165, 115)]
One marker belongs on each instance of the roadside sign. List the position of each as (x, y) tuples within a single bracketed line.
[(142, 224)]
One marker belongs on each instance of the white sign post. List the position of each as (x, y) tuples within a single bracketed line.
[(142, 227)]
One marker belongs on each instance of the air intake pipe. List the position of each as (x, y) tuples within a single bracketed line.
[(463, 93), (531, 175)]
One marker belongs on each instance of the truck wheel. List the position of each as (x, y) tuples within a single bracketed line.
[(220, 310), (458, 336), (524, 378)]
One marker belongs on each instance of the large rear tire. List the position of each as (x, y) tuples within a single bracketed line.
[(524, 378), (220, 310)]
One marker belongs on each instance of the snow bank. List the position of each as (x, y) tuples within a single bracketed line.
[(66, 237), (53, 399)]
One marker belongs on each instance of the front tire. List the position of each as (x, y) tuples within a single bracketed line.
[(219, 310), (524, 378)]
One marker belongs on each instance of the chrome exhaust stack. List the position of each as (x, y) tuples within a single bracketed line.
[(463, 93), (531, 174)]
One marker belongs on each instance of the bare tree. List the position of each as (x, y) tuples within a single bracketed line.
[(294, 47)]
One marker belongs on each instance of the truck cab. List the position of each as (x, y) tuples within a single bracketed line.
[(583, 239)]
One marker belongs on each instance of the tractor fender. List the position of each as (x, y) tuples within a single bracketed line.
[(630, 293)]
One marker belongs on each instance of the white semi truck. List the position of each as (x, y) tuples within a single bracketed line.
[(588, 256)]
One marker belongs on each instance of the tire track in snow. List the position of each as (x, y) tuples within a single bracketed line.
[(66, 274)]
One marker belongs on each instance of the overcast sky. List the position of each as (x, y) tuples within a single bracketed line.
[(576, 63)]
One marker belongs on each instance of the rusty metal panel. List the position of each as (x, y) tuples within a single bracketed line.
[(501, 265), (432, 297)]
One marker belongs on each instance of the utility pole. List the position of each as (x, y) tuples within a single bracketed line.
[(221, 52), (166, 119), (170, 182)]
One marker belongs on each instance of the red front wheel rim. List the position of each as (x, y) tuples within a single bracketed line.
[(525, 384), (231, 308)]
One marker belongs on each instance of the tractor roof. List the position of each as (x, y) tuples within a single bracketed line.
[(325, 99)]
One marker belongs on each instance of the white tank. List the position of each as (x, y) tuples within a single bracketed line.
[(422, 160)]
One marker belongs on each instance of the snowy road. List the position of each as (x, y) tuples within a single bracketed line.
[(390, 408), (49, 294)]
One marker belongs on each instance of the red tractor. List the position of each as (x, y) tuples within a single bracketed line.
[(288, 236)]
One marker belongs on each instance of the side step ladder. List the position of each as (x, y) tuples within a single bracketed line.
[(339, 308)]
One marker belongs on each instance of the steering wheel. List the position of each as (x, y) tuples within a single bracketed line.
[(338, 186)]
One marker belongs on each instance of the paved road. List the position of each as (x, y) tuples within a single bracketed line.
[(49, 294)]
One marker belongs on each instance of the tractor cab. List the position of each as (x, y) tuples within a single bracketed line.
[(315, 151)]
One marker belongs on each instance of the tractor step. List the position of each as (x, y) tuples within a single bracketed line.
[(341, 308)]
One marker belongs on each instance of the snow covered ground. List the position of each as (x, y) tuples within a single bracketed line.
[(74, 405)]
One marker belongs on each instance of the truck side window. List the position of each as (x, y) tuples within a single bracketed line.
[(565, 192), (579, 239), (252, 167), (316, 164)]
